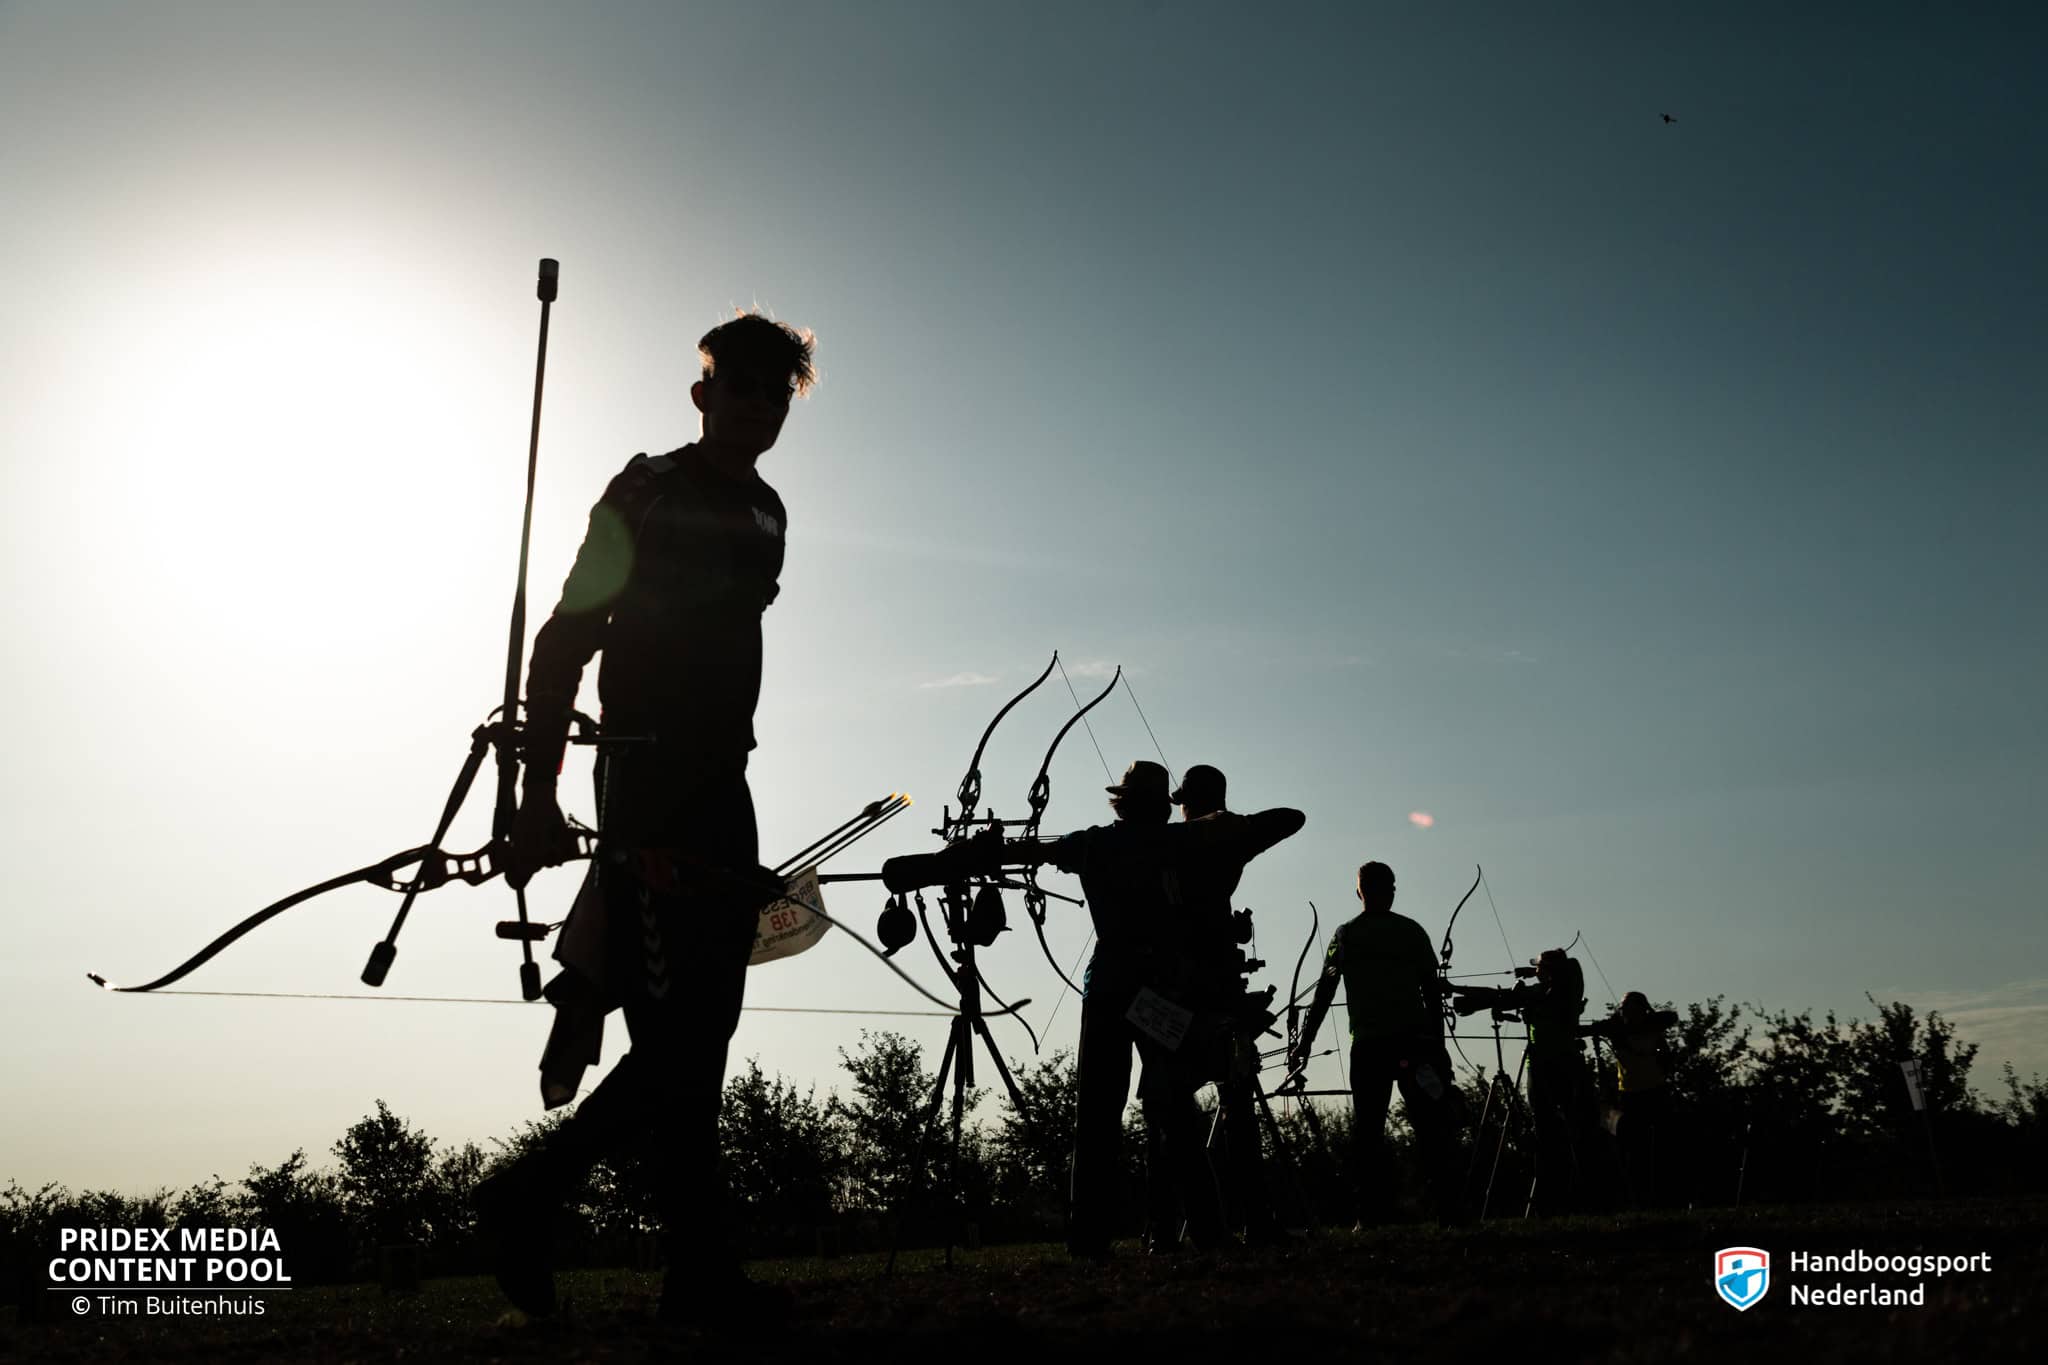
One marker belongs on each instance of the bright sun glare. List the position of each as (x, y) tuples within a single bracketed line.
[(280, 431)]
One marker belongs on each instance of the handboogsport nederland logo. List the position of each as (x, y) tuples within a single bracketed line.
[(1741, 1275)]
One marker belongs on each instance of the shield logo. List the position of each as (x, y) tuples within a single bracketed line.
[(1741, 1275)]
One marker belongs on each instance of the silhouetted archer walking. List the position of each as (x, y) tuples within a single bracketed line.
[(683, 555)]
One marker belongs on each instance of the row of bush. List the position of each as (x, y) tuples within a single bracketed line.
[(1765, 1106)]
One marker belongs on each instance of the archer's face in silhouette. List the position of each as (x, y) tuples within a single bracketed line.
[(743, 409), (1376, 888)]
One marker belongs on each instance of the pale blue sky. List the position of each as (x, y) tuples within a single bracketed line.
[(1423, 422)]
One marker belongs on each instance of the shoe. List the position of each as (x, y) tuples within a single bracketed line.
[(515, 1216)]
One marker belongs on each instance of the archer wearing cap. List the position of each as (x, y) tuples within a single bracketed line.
[(1200, 791), (1221, 842), (1143, 780)]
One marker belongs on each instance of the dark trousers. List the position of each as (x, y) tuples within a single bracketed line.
[(1560, 1100), (1642, 1116), (679, 936), (1247, 1209), (1177, 1180), (1415, 1067)]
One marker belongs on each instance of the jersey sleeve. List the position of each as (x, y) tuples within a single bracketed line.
[(1069, 852), (1239, 838), (574, 631), (1426, 964)]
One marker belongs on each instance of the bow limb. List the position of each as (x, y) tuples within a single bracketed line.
[(435, 869), (1007, 1008), (924, 919), (1040, 796), (1315, 927), (959, 826), (1041, 785), (1444, 953), (377, 873), (1034, 910), (1443, 970), (970, 784)]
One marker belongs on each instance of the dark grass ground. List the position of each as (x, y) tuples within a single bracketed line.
[(1629, 1289)]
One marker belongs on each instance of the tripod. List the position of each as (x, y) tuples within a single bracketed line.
[(1228, 1097), (1511, 1105), (969, 1023)]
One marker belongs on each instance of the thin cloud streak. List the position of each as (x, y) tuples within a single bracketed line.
[(2012, 994), (960, 680), (925, 547), (2010, 1022)]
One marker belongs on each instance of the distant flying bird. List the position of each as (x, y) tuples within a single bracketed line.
[(1669, 119)]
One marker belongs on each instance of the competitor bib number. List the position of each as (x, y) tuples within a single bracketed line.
[(787, 928), (1159, 1018)]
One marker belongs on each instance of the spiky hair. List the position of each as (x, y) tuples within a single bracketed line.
[(755, 341)]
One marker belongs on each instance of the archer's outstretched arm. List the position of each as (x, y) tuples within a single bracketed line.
[(1235, 838)]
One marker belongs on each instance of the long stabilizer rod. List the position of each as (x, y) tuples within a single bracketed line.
[(505, 735)]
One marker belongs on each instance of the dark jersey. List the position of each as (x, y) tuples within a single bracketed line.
[(1640, 1063), (1205, 880), (670, 583), (1152, 887), (1122, 868), (1550, 1012), (1210, 856), (1388, 970)]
